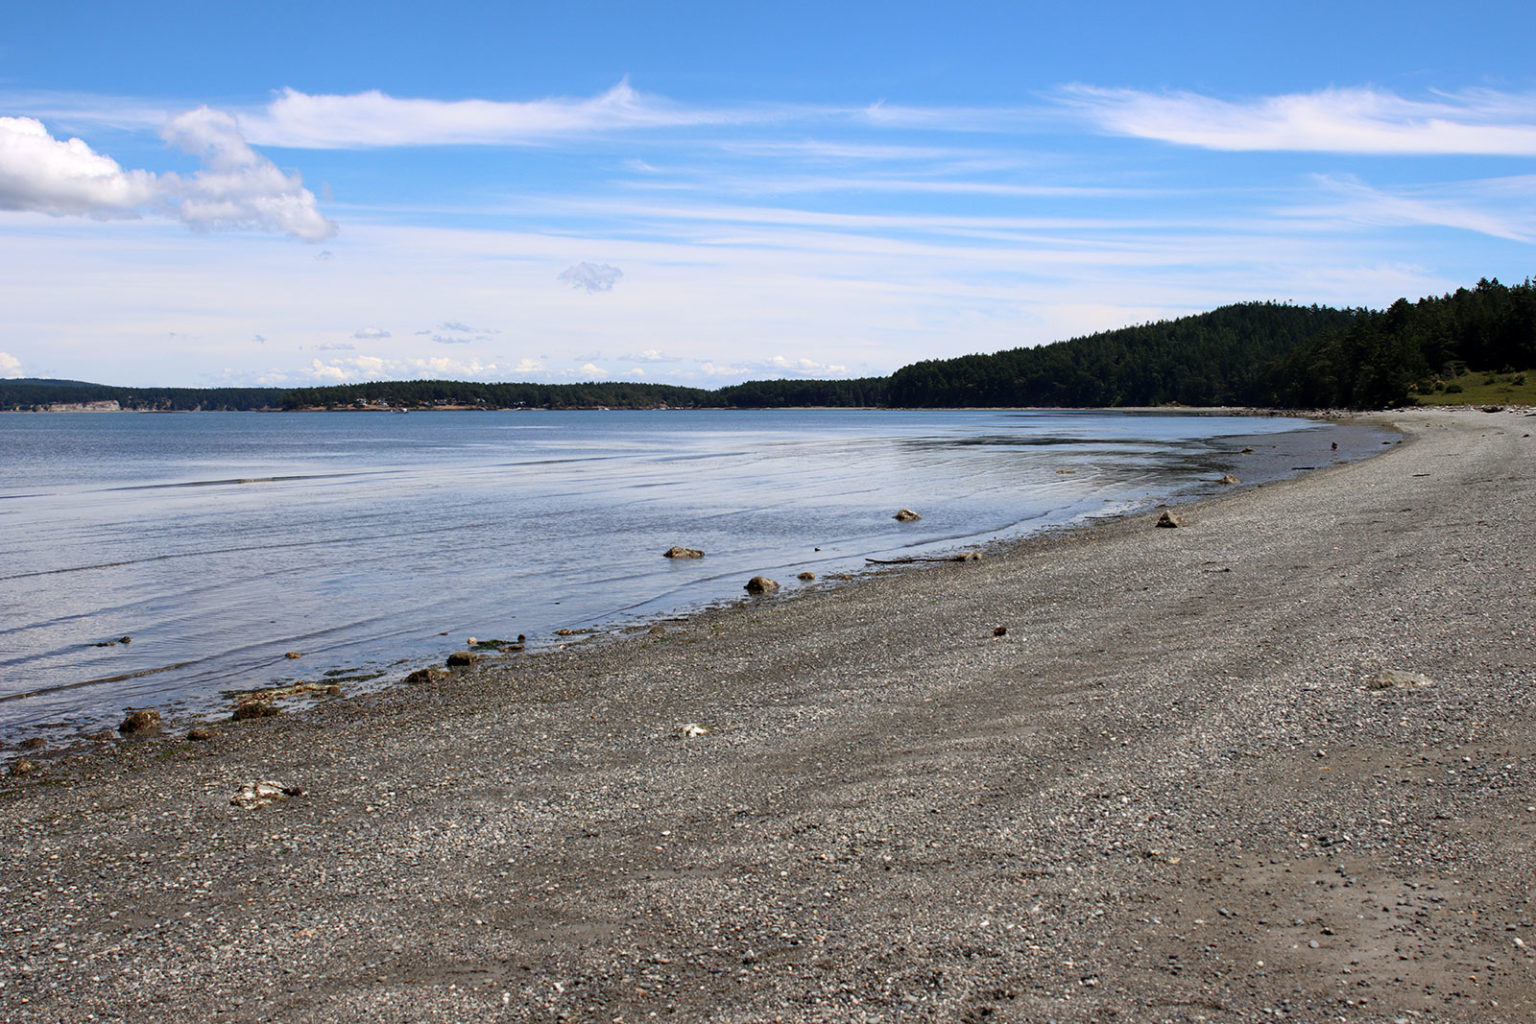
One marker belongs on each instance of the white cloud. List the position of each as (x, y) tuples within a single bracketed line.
[(650, 355), (1360, 203), (237, 187), (10, 366), (65, 177), (371, 119), (1332, 120), (592, 370), (370, 333), (593, 277), (709, 369), (364, 368), (803, 367)]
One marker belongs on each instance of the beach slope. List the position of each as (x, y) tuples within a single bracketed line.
[(1116, 773)]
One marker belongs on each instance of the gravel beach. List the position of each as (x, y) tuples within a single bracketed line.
[(1274, 764)]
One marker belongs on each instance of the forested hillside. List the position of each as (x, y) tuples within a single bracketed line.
[(1382, 358), (1214, 358)]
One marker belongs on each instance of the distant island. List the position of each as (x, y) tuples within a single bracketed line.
[(1470, 344)]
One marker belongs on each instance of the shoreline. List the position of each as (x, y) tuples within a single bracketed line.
[(40, 713), (1165, 792)]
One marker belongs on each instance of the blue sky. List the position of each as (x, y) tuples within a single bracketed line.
[(212, 194)]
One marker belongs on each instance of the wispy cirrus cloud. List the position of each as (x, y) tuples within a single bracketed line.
[(1502, 208), (376, 119), (1361, 121)]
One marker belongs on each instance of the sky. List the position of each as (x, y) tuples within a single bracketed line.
[(288, 194)]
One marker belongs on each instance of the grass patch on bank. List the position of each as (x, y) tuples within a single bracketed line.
[(1507, 387)]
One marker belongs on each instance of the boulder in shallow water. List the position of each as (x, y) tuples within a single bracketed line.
[(761, 585), (906, 515), (677, 551), (144, 722), (806, 577), (1229, 480)]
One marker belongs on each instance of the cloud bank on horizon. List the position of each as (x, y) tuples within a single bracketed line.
[(810, 231)]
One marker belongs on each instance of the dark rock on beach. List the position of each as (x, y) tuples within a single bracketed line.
[(143, 722), (249, 709), (761, 585)]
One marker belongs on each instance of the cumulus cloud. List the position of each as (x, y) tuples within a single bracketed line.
[(592, 370), (1333, 120), (592, 277), (650, 355), (370, 333), (10, 366), (236, 188), (65, 177)]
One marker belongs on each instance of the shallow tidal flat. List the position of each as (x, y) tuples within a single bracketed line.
[(1176, 786)]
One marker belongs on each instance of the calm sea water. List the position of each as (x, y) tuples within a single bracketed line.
[(377, 543)]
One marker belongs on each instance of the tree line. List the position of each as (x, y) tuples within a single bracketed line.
[(1256, 354)]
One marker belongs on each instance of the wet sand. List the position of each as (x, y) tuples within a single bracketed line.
[(1170, 790)]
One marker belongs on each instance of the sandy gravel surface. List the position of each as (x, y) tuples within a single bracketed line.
[(1168, 792)]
